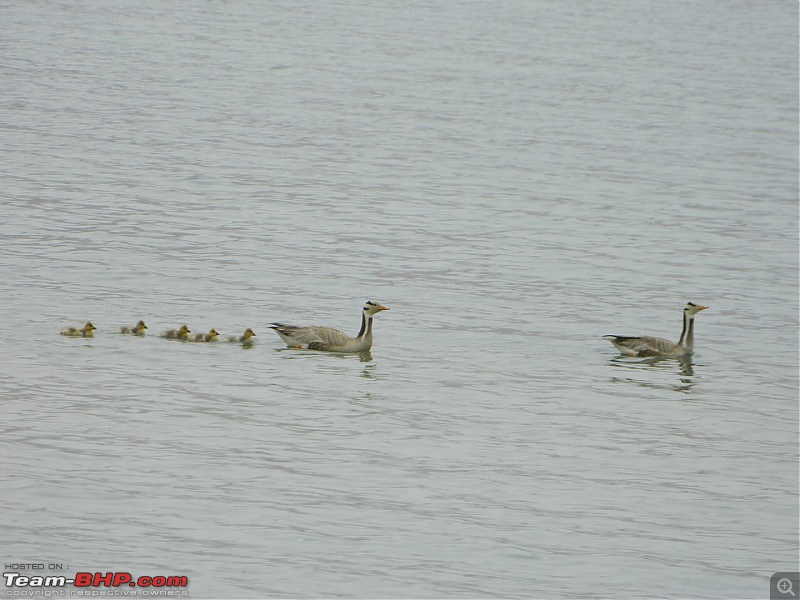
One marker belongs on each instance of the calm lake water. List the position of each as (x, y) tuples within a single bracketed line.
[(514, 180)]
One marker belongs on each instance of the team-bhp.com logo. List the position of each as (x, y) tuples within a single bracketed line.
[(153, 586)]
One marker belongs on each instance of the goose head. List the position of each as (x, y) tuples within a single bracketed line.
[(691, 309), (372, 307)]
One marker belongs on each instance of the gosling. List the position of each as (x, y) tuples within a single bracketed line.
[(211, 336), (247, 338), (87, 331), (177, 334), (137, 329)]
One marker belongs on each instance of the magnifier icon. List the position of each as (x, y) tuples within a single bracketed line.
[(784, 586)]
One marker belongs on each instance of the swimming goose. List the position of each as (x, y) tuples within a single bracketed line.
[(87, 331), (177, 334), (137, 329), (653, 346), (328, 339), (211, 336), (247, 338)]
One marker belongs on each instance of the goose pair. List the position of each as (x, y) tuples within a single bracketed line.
[(332, 340), (328, 339), (646, 346)]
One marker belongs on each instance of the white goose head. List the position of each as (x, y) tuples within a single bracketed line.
[(691, 309), (372, 307)]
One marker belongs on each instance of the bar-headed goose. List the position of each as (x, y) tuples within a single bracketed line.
[(654, 346), (328, 339)]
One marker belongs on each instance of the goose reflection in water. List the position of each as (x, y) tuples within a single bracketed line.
[(685, 371)]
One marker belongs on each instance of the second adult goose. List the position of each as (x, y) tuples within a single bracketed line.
[(653, 346), (328, 339)]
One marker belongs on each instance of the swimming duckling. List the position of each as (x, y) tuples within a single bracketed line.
[(137, 329), (211, 336), (177, 334), (87, 331), (247, 338)]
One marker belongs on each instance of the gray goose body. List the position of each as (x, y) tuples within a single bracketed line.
[(328, 339), (647, 346)]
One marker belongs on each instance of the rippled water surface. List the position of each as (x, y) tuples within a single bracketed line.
[(514, 180)]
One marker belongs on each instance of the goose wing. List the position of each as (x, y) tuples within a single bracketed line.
[(323, 347), (642, 345)]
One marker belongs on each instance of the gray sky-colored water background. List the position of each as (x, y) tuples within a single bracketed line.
[(515, 180)]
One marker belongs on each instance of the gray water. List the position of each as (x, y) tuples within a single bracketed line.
[(513, 179)]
